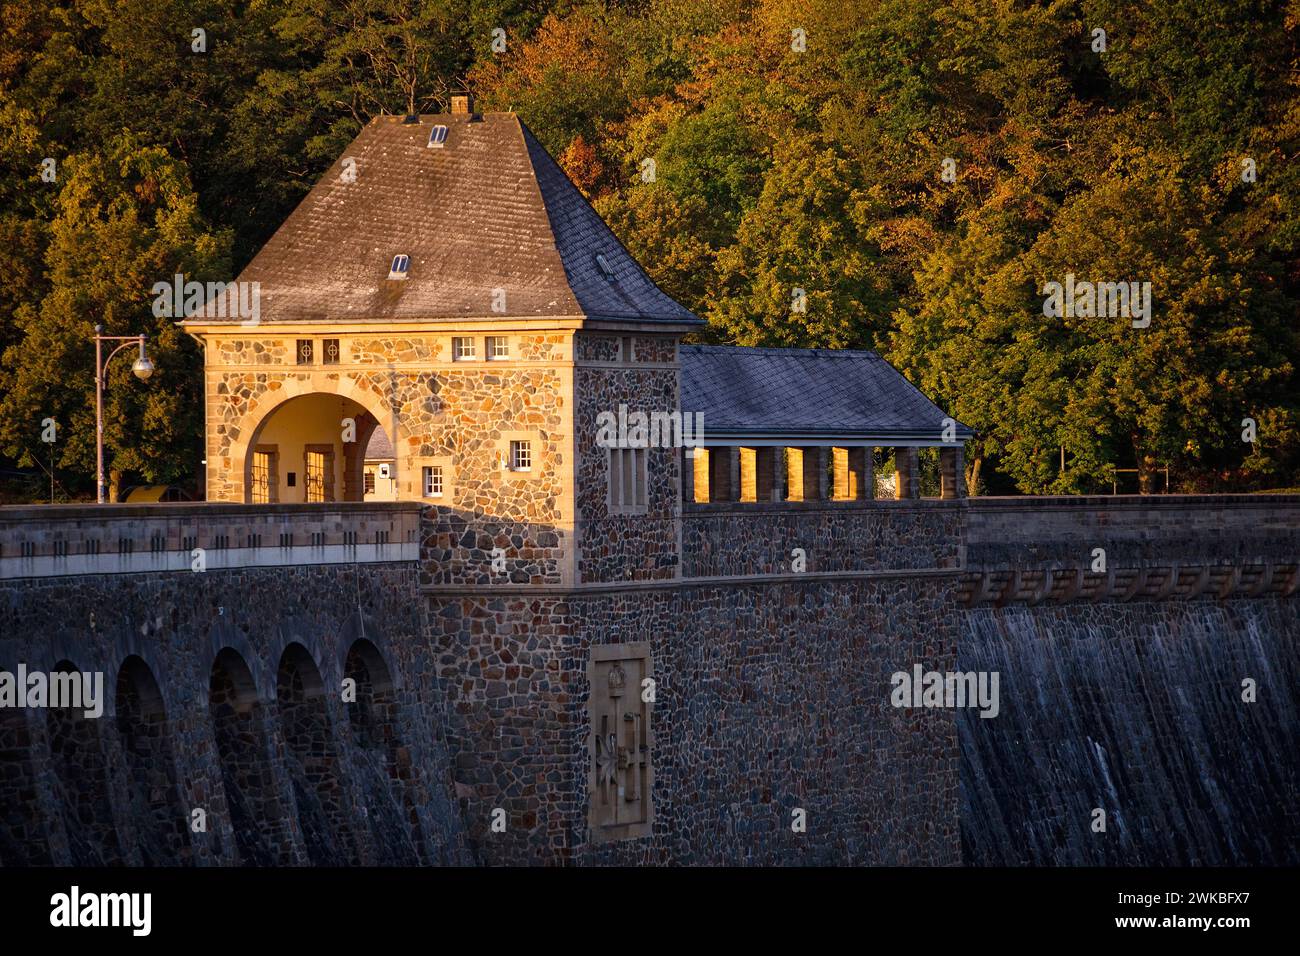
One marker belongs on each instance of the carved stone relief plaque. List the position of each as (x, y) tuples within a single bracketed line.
[(621, 780)]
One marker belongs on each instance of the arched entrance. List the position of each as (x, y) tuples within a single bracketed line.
[(239, 725), (151, 770), (383, 759), (310, 448), (313, 761), (81, 775), (22, 831)]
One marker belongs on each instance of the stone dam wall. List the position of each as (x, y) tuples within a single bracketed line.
[(471, 736)]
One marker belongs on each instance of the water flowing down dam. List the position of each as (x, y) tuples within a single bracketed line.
[(1135, 709), (329, 691)]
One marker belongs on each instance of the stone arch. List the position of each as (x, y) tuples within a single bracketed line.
[(251, 424), (312, 759), (82, 789), (155, 807), (23, 839), (241, 732), (384, 765)]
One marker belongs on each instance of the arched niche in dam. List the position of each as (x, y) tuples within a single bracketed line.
[(23, 840), (241, 732), (313, 761), (384, 762), (162, 835), (82, 790)]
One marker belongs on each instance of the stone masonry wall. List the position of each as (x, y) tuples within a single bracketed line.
[(625, 547), (770, 697), (459, 414), (749, 539), (177, 733)]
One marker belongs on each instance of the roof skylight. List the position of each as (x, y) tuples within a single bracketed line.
[(399, 267), (437, 136), (605, 268)]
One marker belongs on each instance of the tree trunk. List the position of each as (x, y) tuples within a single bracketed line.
[(1146, 467), (973, 476)]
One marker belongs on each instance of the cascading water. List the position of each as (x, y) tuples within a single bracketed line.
[(1135, 709)]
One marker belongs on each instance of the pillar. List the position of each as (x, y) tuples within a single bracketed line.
[(814, 474), (952, 472), (851, 473), (688, 475), (700, 471), (780, 475), (765, 473), (747, 462), (724, 473), (907, 473), (862, 464)]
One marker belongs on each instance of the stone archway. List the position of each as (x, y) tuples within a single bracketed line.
[(269, 441), (313, 762), (239, 726), (81, 781), (23, 840), (383, 760), (155, 807)]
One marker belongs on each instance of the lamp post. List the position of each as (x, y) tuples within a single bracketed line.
[(142, 368)]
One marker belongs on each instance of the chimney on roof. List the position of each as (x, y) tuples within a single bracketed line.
[(462, 104)]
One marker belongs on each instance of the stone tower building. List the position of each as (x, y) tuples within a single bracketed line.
[(445, 282)]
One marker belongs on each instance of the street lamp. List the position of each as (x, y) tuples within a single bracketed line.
[(142, 368)]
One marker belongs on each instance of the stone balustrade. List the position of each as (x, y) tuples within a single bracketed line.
[(61, 540)]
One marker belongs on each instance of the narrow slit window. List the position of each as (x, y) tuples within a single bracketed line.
[(615, 479)]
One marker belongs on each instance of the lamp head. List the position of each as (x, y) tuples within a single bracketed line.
[(142, 368)]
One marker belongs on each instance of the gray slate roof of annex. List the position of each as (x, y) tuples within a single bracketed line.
[(811, 392), (490, 209)]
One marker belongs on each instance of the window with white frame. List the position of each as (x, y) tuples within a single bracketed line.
[(431, 481), (462, 348), (521, 455), (627, 480), (498, 347)]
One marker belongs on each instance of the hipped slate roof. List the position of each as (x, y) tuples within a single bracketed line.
[(813, 393), (489, 209), (379, 448)]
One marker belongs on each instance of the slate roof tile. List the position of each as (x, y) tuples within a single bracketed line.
[(489, 209), (811, 392)]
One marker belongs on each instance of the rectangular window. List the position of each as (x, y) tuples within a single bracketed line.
[(318, 471), (462, 349), (305, 352), (521, 456), (627, 480), (498, 347), (330, 352), (625, 346), (368, 480), (262, 478), (431, 480)]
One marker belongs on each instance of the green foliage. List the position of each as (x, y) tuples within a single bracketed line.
[(774, 170), (123, 220)]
